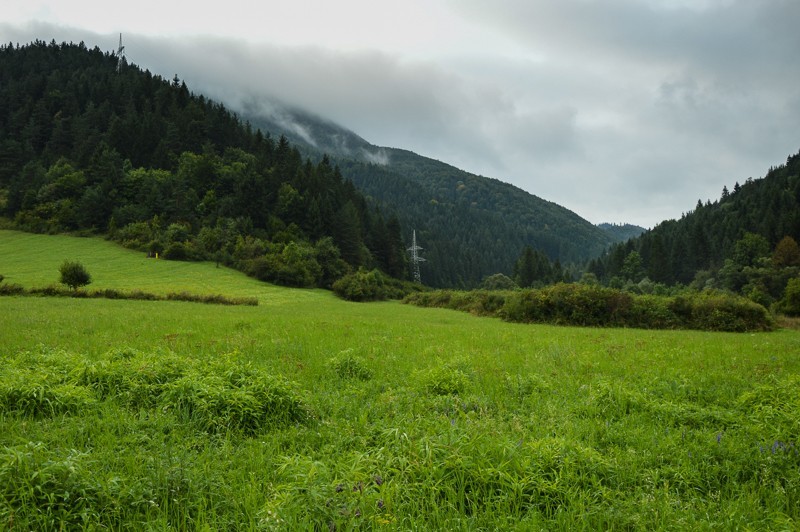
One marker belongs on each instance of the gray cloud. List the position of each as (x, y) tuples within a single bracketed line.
[(621, 110)]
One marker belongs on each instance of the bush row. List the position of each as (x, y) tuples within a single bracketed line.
[(111, 293), (597, 306)]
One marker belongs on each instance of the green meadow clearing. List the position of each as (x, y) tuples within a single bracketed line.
[(310, 413)]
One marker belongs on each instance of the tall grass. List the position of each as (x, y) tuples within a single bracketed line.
[(318, 414)]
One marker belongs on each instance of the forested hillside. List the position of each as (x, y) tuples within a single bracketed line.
[(88, 143), (469, 226), (746, 241), (621, 232)]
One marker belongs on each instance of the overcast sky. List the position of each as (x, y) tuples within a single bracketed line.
[(620, 110)]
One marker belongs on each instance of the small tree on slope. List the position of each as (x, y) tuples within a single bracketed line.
[(74, 275)]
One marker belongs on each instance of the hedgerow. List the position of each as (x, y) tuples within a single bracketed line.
[(597, 306), (111, 293)]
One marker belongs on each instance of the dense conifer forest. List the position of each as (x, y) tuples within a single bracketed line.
[(92, 144), (745, 242)]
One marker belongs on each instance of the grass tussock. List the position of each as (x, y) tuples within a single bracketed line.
[(348, 365)]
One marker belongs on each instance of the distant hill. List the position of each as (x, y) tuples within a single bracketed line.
[(470, 226), (621, 232)]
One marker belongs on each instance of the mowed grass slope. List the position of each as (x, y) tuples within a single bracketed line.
[(314, 413), (32, 260)]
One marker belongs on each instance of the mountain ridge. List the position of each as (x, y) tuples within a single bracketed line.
[(457, 214)]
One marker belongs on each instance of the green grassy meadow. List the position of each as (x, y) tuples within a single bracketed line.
[(311, 413)]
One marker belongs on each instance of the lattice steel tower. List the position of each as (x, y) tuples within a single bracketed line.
[(415, 258), (120, 53)]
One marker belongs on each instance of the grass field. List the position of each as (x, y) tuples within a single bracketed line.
[(308, 412), (33, 260)]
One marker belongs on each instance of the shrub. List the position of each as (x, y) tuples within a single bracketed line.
[(652, 312), (790, 304), (293, 265), (362, 286), (74, 274), (176, 251), (716, 311), (569, 304)]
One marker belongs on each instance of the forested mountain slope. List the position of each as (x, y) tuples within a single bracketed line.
[(470, 226), (745, 241), (621, 232), (91, 144)]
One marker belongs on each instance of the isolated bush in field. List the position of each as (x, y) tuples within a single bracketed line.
[(350, 366), (74, 274)]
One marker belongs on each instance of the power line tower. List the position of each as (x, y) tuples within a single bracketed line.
[(415, 258), (120, 53)]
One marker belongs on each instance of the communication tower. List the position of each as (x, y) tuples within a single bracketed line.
[(120, 53), (415, 258)]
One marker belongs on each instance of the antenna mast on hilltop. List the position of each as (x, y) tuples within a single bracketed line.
[(120, 53), (415, 258)]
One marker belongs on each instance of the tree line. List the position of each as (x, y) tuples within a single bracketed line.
[(744, 242)]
